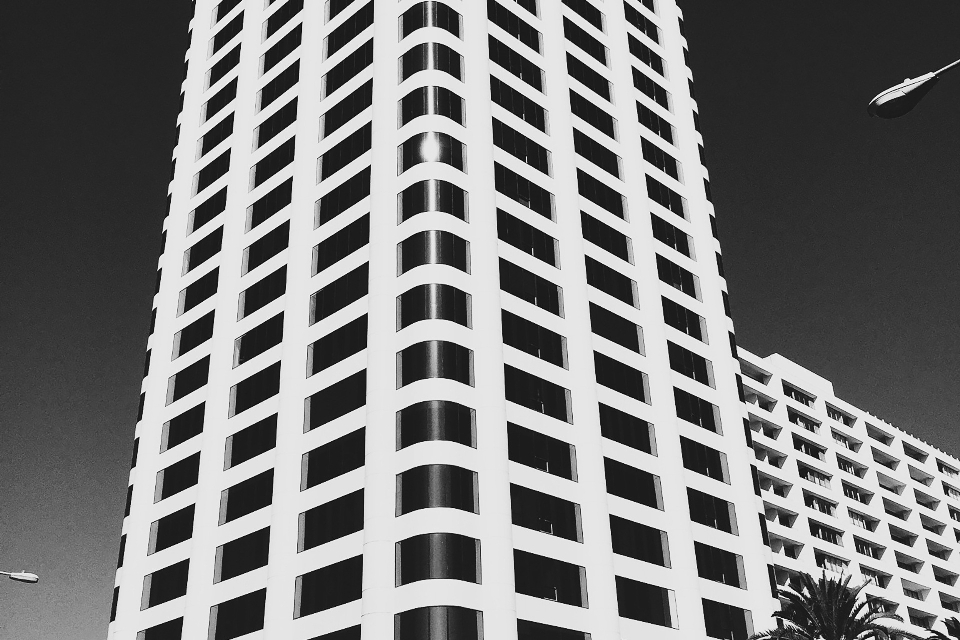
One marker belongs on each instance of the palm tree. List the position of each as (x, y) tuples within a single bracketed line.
[(953, 631), (830, 609)]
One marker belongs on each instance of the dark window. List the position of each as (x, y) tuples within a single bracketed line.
[(527, 238), (719, 565), (272, 243), (328, 587), (587, 11), (711, 511), (594, 115), (274, 201), (588, 77), (336, 346), (331, 521), (171, 529), (181, 428), (263, 292), (346, 151), (342, 197), (431, 100), (280, 84), (202, 250), (531, 338), (550, 579), (350, 633), (643, 23), (595, 152), (518, 104), (621, 377), (536, 631), (170, 630), (644, 602), (333, 459), (217, 134), (645, 54), (434, 420), (521, 147), (678, 277), (532, 288), (682, 319), (225, 7), (214, 170), (534, 449), (250, 442), (690, 364), (238, 617), (227, 33), (537, 394), (349, 29), (632, 484), (284, 47), (438, 623), (336, 6), (178, 477), (431, 195), (207, 210), (726, 621), (605, 237), (513, 24), (273, 162), (113, 605), (136, 450), (431, 55), (527, 193), (348, 68), (246, 497), (429, 14), (590, 45), (704, 460), (696, 410), (258, 340), (610, 281), (611, 326), (542, 512), (655, 123), (431, 146), (433, 302), (438, 556), (223, 66), (220, 99), (529, 5), (193, 335), (165, 585), (283, 118), (651, 89), (433, 247), (639, 541), (282, 16), (663, 161), (515, 63), (188, 379), (434, 359), (599, 193), (671, 236), (244, 554), (129, 502), (347, 109), (437, 486), (666, 197), (338, 294), (335, 401), (627, 429)]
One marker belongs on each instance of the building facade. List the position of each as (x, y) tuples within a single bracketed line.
[(441, 345), (848, 493)]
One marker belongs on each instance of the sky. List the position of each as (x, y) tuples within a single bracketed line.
[(838, 232)]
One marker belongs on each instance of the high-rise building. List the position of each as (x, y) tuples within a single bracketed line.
[(441, 345), (848, 493)]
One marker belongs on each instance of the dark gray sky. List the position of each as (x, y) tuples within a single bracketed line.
[(839, 236)]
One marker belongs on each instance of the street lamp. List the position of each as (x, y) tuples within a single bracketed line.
[(901, 98), (21, 576)]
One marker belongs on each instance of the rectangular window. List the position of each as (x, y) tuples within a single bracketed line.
[(651, 89), (242, 555), (621, 378), (284, 47), (269, 204), (645, 54), (279, 85), (655, 123), (337, 346), (711, 511), (521, 147), (346, 151), (223, 66), (531, 338), (219, 100), (592, 114), (165, 585), (214, 170), (263, 292), (586, 11), (328, 587), (611, 281), (719, 565), (348, 68), (333, 459), (171, 529), (590, 45), (273, 162), (279, 121), (518, 104), (342, 197), (537, 631), (207, 210), (641, 22), (246, 497), (645, 602), (335, 401), (513, 24), (259, 387), (349, 29), (250, 442), (238, 617), (632, 484), (181, 428), (258, 340), (202, 250), (550, 579), (600, 194), (527, 238), (537, 394), (682, 319), (347, 109), (216, 134), (188, 380), (611, 326), (727, 622), (192, 335), (595, 152), (697, 410), (532, 288), (339, 294), (690, 364), (282, 16), (271, 244), (516, 64), (341, 244), (588, 77), (666, 197), (521, 190), (226, 34), (225, 7), (639, 541), (678, 277), (331, 521), (626, 429), (704, 460), (543, 512), (671, 236), (534, 449), (605, 237), (336, 6)]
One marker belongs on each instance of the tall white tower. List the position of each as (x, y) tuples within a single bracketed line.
[(441, 344)]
